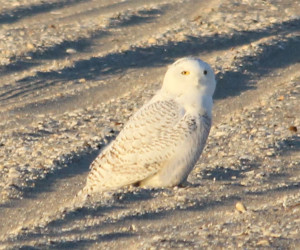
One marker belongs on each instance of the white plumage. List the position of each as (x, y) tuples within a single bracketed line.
[(161, 143)]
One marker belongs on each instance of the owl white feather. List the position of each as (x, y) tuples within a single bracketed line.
[(161, 143)]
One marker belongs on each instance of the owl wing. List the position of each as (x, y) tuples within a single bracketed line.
[(146, 143)]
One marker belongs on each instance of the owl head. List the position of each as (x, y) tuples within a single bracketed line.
[(188, 75)]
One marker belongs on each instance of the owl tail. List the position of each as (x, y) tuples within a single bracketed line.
[(84, 196), (81, 197)]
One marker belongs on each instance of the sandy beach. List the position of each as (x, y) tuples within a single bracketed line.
[(72, 72)]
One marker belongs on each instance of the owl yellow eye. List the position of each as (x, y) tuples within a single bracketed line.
[(185, 72)]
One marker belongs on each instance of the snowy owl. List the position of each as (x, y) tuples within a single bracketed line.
[(162, 141)]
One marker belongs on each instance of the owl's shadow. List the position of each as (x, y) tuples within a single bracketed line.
[(221, 173)]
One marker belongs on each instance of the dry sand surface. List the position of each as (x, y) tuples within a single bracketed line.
[(73, 71)]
